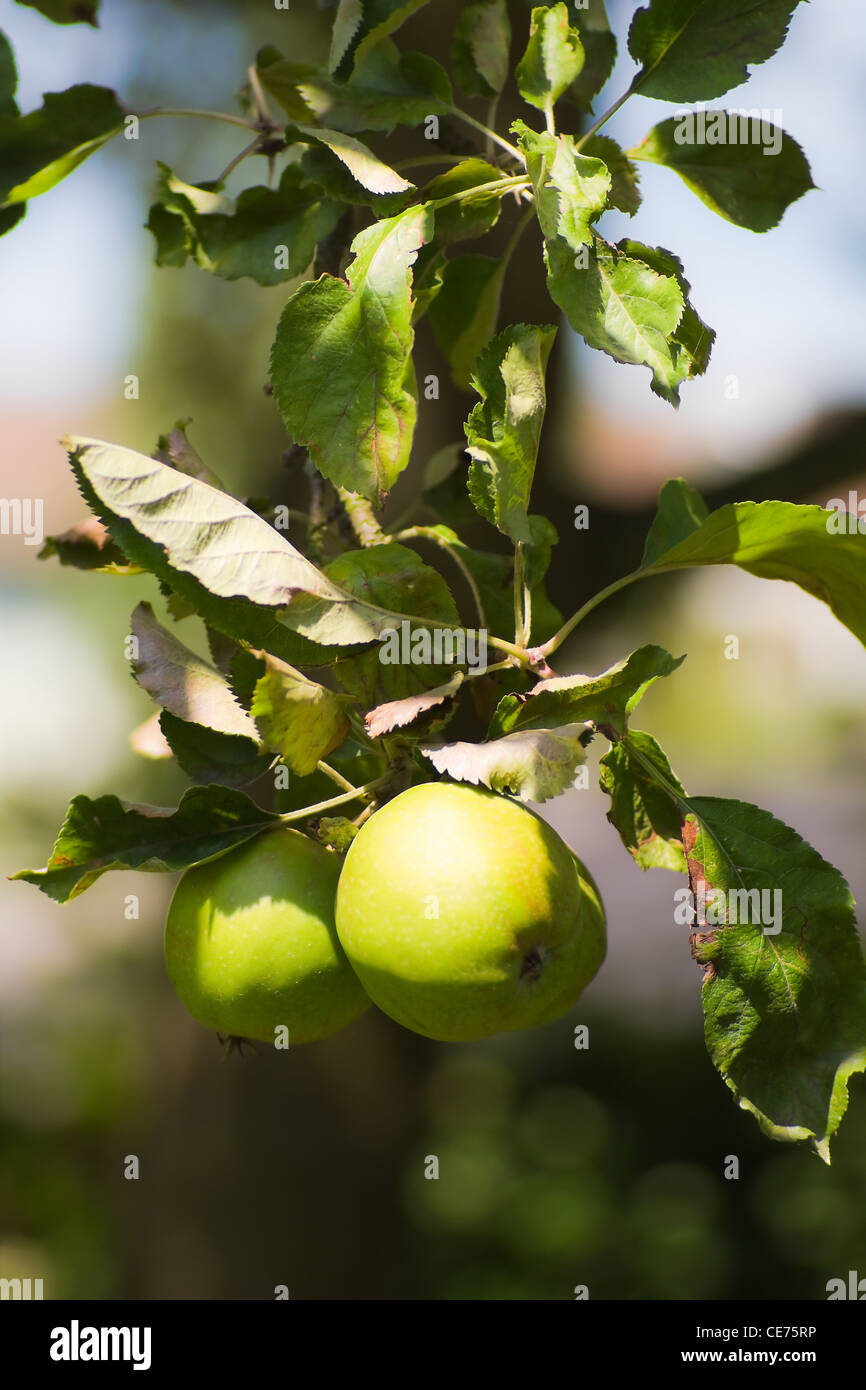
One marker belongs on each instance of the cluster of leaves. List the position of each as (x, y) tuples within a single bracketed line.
[(785, 1014)]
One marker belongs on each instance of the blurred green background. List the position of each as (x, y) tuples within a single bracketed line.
[(558, 1167)]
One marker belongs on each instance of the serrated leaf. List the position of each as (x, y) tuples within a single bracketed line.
[(391, 575), (387, 90), (779, 540), (471, 216), (40, 149), (88, 546), (465, 313), (235, 569), (208, 756), (692, 340), (606, 700), (624, 192), (364, 166), (695, 50), (269, 235), (480, 48), (647, 818), (681, 510), (362, 24), (396, 714), (599, 47), (533, 765), (571, 189), (341, 364), (784, 987), (105, 833), (504, 428), (65, 11), (553, 59), (620, 305), (182, 682), (300, 720), (745, 179)]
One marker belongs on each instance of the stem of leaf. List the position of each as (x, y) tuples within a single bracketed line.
[(548, 118), (306, 811), (205, 115), (611, 111), (233, 163), (567, 628), (503, 185), (362, 519), (519, 635), (430, 533), (490, 135), (336, 776)]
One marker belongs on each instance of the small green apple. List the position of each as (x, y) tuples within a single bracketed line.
[(250, 942), (464, 914)]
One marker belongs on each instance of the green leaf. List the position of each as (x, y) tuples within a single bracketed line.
[(176, 450), (471, 216), (624, 192), (302, 721), (620, 305), (341, 364), (182, 682), (553, 58), (8, 78), (38, 150), (269, 235), (282, 79), (207, 756), (364, 166), (533, 765), (504, 428), (647, 818), (65, 11), (319, 166), (388, 89), (537, 553), (695, 50), (785, 1010), (606, 700), (571, 189), (692, 340), (106, 833), (393, 577), (480, 48), (238, 572), (778, 540), (750, 177), (599, 46), (465, 313), (362, 24), (681, 510)]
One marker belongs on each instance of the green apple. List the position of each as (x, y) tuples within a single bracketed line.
[(251, 946), (464, 914)]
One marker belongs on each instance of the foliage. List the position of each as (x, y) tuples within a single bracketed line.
[(300, 682)]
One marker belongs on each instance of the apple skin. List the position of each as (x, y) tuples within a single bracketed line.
[(520, 929), (250, 942)]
